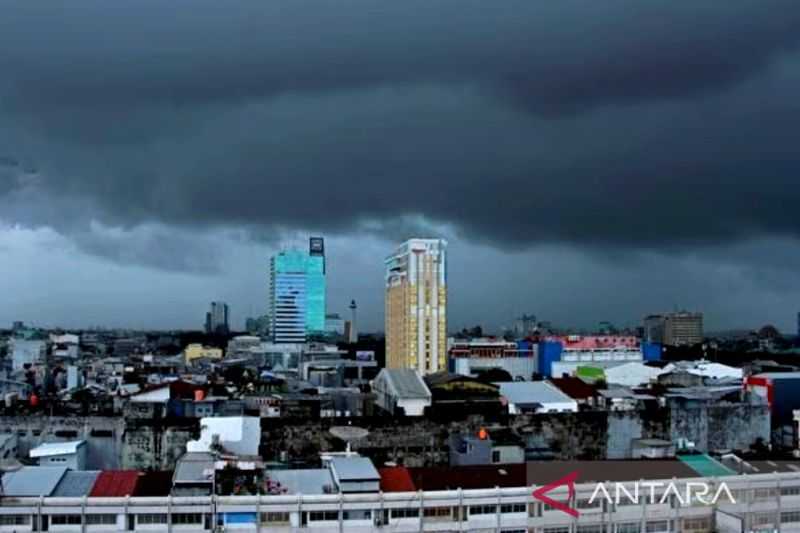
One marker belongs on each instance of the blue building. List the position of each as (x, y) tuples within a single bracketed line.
[(297, 293)]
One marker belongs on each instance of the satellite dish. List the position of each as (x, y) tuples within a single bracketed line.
[(348, 434)]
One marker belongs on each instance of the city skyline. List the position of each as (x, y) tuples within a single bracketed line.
[(605, 170)]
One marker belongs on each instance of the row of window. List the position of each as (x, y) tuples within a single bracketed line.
[(658, 526)]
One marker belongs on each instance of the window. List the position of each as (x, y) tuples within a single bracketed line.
[(556, 530), (15, 520), (274, 518), (587, 504), (599, 528), (360, 514), (629, 527), (790, 491), (323, 516), (187, 518), (762, 519), (657, 526), (691, 524), (514, 508), (788, 517), (65, 519), (101, 519), (405, 513), (151, 519), (438, 512), (763, 494), (482, 509), (496, 456)]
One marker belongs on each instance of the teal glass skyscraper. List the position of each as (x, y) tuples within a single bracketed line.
[(297, 293)]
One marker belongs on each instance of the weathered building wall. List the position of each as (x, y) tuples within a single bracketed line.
[(721, 425), (103, 435), (154, 447)]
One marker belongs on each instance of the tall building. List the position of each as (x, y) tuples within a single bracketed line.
[(681, 328), (297, 293), (352, 331), (416, 306), (524, 326), (217, 319)]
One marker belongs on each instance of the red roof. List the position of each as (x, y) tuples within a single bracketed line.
[(115, 484), (396, 479)]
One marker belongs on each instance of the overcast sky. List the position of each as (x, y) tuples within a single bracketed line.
[(587, 161)]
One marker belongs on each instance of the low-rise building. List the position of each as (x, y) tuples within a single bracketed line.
[(70, 454), (401, 390), (199, 351), (535, 397)]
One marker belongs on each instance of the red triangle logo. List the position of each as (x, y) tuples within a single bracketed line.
[(569, 481)]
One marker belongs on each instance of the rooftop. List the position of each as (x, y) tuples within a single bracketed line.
[(32, 481), (307, 481), (194, 467), (407, 382), (76, 484), (353, 469), (529, 392), (115, 483), (49, 449), (469, 477)]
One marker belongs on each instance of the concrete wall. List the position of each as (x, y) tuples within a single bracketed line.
[(720, 426), (103, 435)]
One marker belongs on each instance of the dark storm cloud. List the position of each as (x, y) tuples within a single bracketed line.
[(622, 123)]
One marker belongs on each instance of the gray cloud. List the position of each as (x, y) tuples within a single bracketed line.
[(609, 126)]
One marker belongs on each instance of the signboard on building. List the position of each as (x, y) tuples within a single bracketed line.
[(316, 246), (366, 355)]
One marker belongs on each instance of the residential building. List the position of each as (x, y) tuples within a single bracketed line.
[(198, 351), (535, 397), (71, 455), (239, 435), (416, 306), (217, 319), (297, 293), (401, 390), (26, 352)]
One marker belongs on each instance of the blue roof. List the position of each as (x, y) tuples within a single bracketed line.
[(32, 481), (76, 484)]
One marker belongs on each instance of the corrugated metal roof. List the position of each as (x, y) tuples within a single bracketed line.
[(32, 481), (354, 469), (407, 383), (115, 483), (528, 392), (76, 484), (49, 449), (396, 479), (194, 468)]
